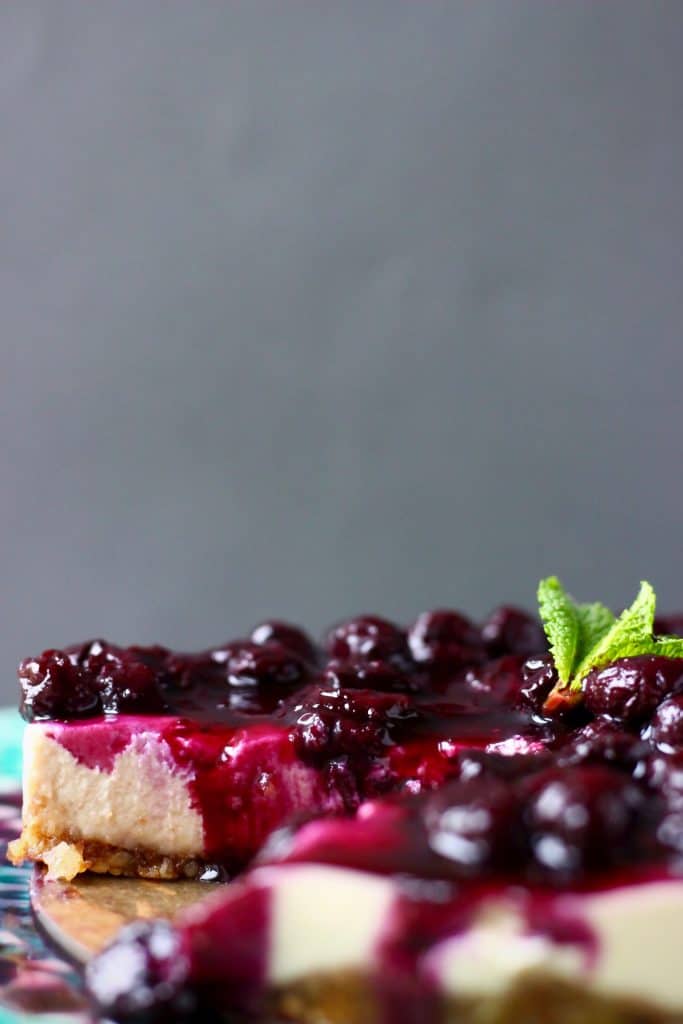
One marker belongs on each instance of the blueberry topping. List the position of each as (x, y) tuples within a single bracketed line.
[(53, 686), (513, 631), (141, 978), (602, 742), (368, 638), (445, 639), (367, 675), (582, 818), (539, 676), (630, 689), (332, 722), (265, 664), (475, 824), (667, 725), (290, 637), (445, 707)]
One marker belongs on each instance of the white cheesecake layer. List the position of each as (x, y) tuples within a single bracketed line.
[(638, 936), (325, 919), (143, 801), (329, 918)]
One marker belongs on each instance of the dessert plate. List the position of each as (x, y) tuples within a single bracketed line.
[(81, 917)]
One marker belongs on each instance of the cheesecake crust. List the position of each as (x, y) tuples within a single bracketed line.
[(351, 998), (65, 857)]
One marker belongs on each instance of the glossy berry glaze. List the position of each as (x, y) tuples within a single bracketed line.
[(271, 725), (462, 790), (519, 831)]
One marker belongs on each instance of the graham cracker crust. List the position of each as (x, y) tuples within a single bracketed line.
[(350, 998), (65, 857)]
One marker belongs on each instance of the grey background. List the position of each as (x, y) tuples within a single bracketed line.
[(318, 308)]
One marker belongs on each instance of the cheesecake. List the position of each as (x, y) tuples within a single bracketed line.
[(513, 894), (453, 822), (148, 762)]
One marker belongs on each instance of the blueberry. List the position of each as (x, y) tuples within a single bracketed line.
[(359, 722), (538, 678), (267, 664), (602, 742), (630, 689), (54, 686), (510, 630), (472, 764), (288, 636), (666, 731), (126, 679), (189, 671), (475, 824), (581, 818), (342, 782), (366, 675), (664, 775), (142, 976), (313, 733), (495, 684), (445, 639), (368, 638)]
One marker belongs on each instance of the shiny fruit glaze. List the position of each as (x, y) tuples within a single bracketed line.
[(422, 753)]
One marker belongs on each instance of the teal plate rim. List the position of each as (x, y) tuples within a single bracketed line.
[(11, 734)]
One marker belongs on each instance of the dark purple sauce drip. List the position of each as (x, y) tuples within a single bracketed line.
[(244, 934), (264, 673), (426, 914), (435, 736), (271, 726)]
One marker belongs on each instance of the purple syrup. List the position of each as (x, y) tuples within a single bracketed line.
[(421, 754), (157, 973), (271, 727), (267, 728), (245, 931)]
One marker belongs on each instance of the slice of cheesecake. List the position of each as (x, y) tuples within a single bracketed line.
[(143, 761), (444, 824), (492, 900)]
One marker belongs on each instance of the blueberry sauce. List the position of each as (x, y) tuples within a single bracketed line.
[(219, 951), (273, 725), (423, 754)]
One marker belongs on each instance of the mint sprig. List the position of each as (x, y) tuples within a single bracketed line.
[(559, 615), (573, 629), (595, 621), (587, 636)]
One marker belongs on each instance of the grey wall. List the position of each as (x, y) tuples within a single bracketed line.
[(315, 308)]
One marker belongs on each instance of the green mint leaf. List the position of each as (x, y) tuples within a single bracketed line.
[(587, 636), (595, 620), (668, 646), (561, 624), (629, 635)]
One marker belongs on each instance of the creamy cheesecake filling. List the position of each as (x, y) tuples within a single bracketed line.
[(167, 795), (142, 801), (637, 935), (483, 842), (326, 919), (354, 905)]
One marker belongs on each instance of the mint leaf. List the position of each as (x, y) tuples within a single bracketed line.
[(629, 635), (594, 622), (587, 636), (668, 646), (561, 624)]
